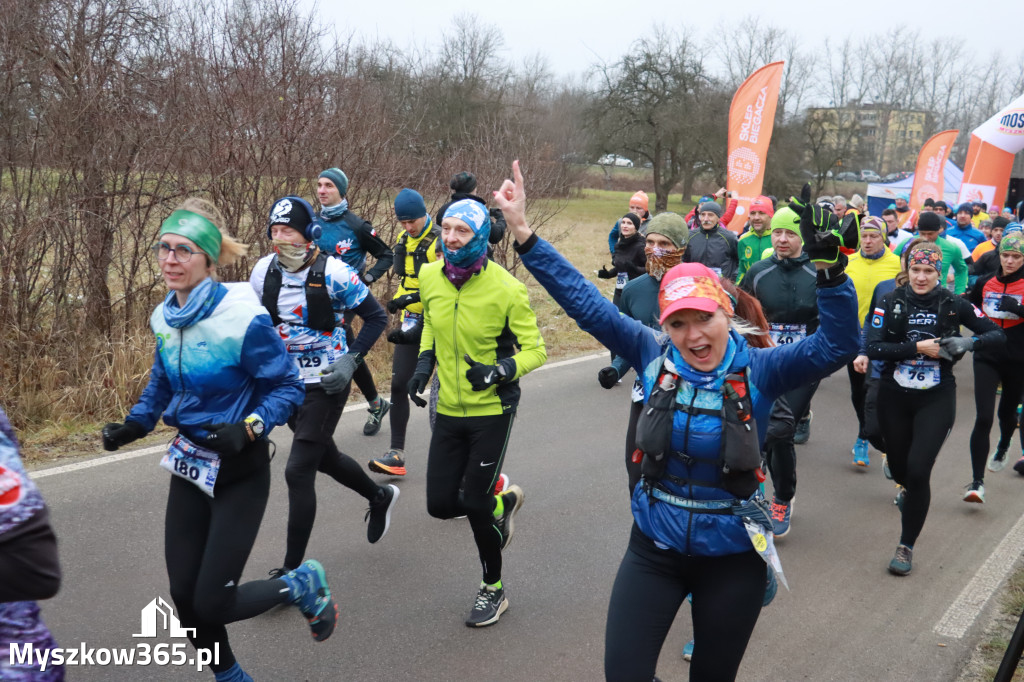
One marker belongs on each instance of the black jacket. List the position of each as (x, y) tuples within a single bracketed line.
[(714, 248), (787, 289), (629, 256)]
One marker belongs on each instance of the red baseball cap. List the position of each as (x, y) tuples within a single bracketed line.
[(692, 286)]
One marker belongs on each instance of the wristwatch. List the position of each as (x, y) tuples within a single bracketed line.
[(255, 426)]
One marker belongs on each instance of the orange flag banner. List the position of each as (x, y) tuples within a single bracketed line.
[(929, 182), (751, 120)]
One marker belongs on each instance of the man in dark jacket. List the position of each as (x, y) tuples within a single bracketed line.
[(712, 244)]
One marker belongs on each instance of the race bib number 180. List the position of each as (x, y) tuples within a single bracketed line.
[(196, 465)]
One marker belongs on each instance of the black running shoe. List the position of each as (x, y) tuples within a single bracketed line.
[(373, 422), (277, 573), (379, 513), (489, 605), (513, 499), (803, 429)]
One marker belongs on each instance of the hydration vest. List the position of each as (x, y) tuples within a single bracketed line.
[(419, 255), (948, 315), (319, 313), (739, 456)]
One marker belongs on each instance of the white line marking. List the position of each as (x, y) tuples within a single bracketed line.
[(122, 456), (961, 614)]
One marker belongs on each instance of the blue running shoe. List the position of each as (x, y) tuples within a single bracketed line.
[(315, 600), (860, 453), (900, 495), (782, 515), (901, 561), (772, 589), (885, 467), (688, 650)]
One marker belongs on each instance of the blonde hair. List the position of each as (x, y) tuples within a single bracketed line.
[(231, 250)]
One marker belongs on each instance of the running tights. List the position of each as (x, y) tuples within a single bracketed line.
[(402, 368), (466, 455), (782, 453), (987, 376), (915, 425), (650, 587), (207, 541)]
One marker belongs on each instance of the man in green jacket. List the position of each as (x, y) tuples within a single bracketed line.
[(928, 227), (754, 242)]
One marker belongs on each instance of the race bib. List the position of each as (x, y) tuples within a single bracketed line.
[(787, 333), (917, 374), (717, 271), (990, 305), (637, 395), (312, 359), (621, 279), (411, 321), (196, 465)]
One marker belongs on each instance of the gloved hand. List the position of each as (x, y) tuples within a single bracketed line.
[(605, 273), (116, 434), (823, 234), (1008, 304), (336, 377), (402, 302), (952, 348), (367, 278), (608, 376), (798, 204), (483, 376), (408, 338), (417, 385), (227, 439)]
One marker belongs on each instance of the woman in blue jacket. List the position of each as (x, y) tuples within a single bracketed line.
[(221, 376), (703, 385)]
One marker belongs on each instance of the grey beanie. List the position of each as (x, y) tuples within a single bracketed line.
[(712, 206)]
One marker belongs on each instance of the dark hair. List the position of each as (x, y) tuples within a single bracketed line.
[(889, 211)]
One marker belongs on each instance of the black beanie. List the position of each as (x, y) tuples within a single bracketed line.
[(929, 222), (463, 183), (633, 218), (929, 202), (1000, 221)]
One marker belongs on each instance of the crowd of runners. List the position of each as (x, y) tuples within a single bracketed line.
[(729, 336)]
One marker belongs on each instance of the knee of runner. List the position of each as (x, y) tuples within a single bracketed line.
[(213, 607), (442, 509)]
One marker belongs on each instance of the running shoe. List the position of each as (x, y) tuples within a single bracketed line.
[(373, 422), (379, 513), (513, 499), (489, 605), (803, 429), (997, 462), (901, 561), (315, 600), (391, 463), (900, 496), (1019, 466), (501, 485), (885, 467), (771, 589), (688, 650), (975, 492), (782, 514), (277, 573), (860, 453)]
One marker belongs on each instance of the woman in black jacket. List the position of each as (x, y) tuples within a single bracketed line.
[(629, 260)]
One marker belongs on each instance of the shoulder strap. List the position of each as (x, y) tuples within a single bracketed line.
[(319, 312), (896, 326), (949, 314), (272, 289)]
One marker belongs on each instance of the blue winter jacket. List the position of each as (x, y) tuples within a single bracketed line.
[(223, 368), (771, 372)]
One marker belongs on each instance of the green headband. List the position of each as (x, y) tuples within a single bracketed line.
[(1012, 242), (195, 227)]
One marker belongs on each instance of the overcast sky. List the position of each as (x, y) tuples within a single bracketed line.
[(575, 35)]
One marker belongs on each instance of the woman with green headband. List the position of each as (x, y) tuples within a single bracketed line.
[(221, 376)]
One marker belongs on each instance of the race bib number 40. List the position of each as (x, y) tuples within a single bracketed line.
[(917, 374), (196, 465), (787, 333), (312, 359)]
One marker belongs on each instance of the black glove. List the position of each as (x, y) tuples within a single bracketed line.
[(115, 434), (952, 348), (402, 302), (367, 278), (823, 235), (798, 205), (605, 273), (608, 376), (227, 439), (336, 377), (1008, 304), (483, 376), (406, 338), (417, 385)]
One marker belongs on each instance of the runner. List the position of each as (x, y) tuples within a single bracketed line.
[(629, 260), (29, 567), (638, 205), (417, 246), (474, 313), (786, 285), (713, 244), (999, 296), (346, 236), (928, 227), (688, 534), (309, 295), (916, 331), (218, 359), (753, 243)]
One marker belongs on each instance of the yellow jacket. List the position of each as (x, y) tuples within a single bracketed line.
[(866, 273)]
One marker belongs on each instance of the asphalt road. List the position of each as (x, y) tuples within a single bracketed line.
[(402, 601)]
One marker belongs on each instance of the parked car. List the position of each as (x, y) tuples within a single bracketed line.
[(892, 177), (847, 176), (615, 160), (870, 176)]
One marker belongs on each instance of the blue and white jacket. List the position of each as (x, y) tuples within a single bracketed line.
[(771, 372), (223, 368)]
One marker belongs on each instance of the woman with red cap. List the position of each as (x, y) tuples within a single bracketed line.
[(701, 525)]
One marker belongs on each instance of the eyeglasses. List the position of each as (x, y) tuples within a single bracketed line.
[(182, 252)]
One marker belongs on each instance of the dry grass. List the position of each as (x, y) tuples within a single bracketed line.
[(985, 661)]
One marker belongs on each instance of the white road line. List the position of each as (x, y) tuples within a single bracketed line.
[(961, 614), (122, 456)]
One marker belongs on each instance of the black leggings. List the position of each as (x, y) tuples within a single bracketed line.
[(987, 376), (465, 460), (207, 541), (782, 453), (313, 450), (650, 587), (402, 367), (914, 425), (857, 396)]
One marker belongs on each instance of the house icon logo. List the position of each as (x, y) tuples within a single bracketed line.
[(159, 615)]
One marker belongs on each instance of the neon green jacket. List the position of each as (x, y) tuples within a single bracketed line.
[(751, 249), (485, 319)]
